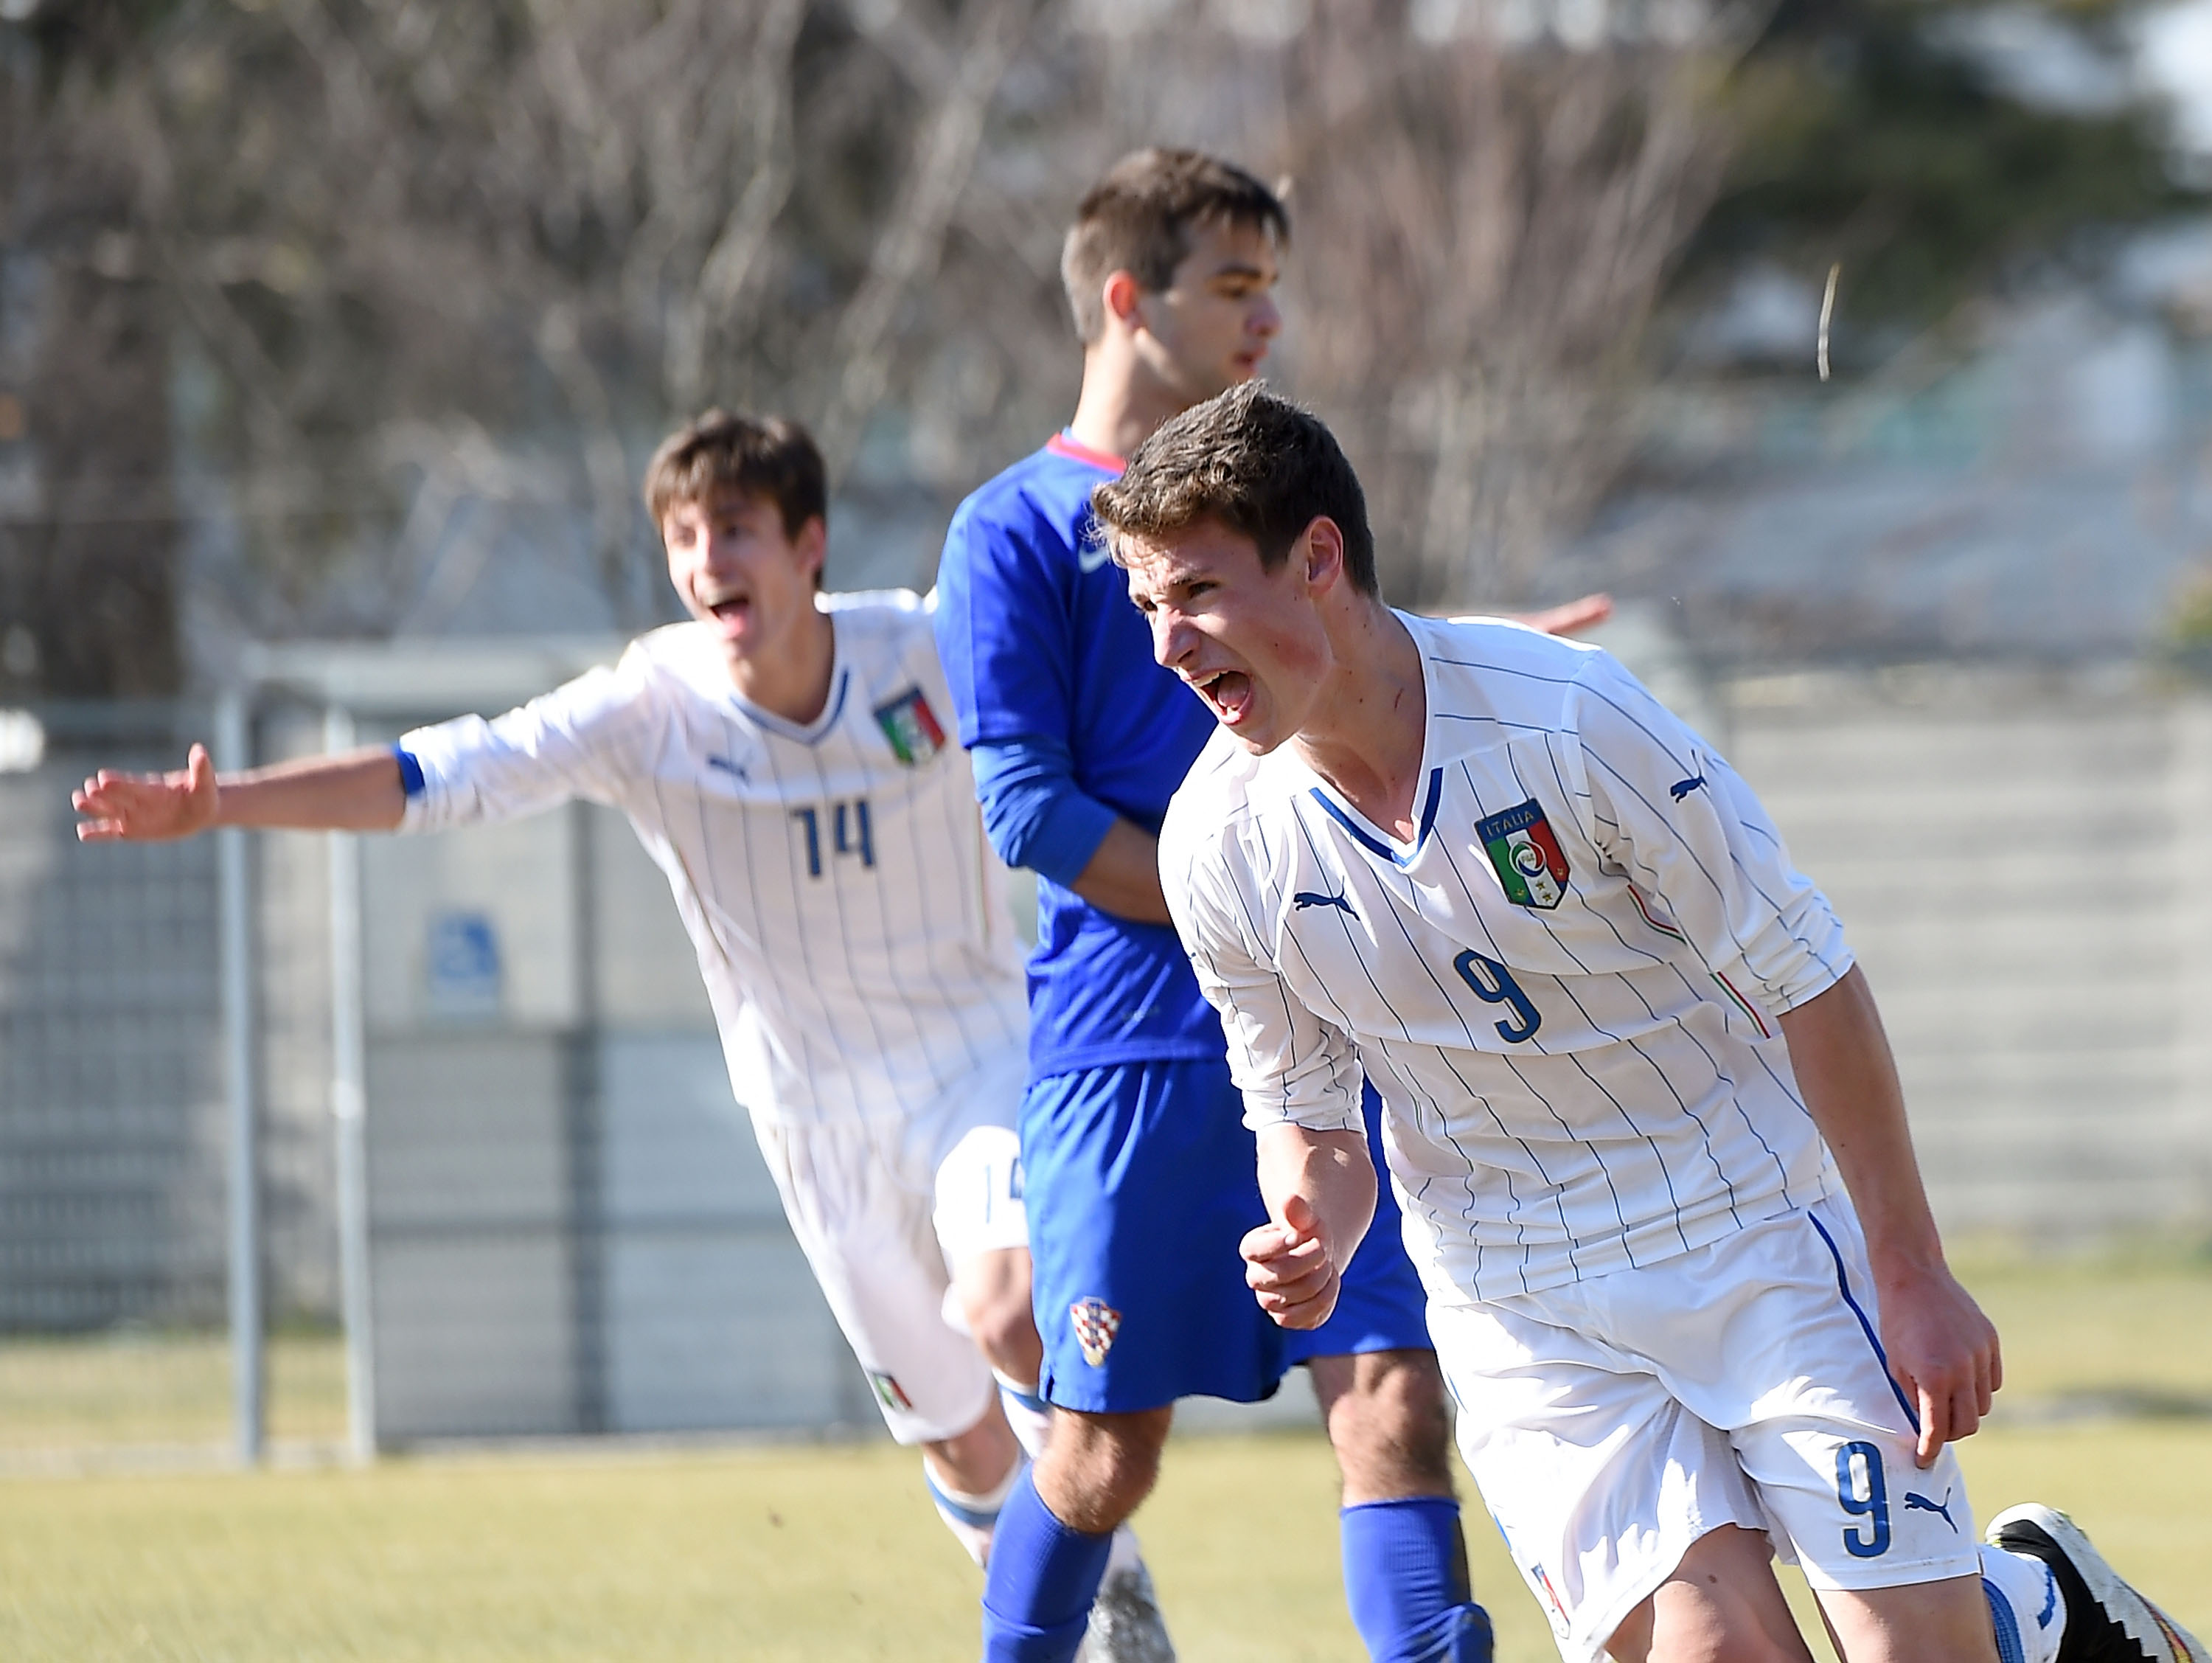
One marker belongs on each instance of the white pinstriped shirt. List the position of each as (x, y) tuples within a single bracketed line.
[(1565, 988), (850, 917)]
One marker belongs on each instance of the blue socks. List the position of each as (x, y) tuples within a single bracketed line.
[(2026, 1607), (1405, 1578), (1039, 1584), (2009, 1649)]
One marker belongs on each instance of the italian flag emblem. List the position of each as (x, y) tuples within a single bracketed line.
[(911, 726), (1531, 866)]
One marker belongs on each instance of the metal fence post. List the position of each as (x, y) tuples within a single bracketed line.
[(349, 1107), (585, 1133), (247, 1361)]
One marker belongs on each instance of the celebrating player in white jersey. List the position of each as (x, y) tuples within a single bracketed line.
[(1641, 1117), (784, 759)]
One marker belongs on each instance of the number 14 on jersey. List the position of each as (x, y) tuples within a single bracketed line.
[(849, 831)]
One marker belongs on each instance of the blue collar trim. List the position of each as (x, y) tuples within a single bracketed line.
[(1374, 844), (814, 730)]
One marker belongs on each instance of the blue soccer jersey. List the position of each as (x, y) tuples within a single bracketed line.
[(1040, 642)]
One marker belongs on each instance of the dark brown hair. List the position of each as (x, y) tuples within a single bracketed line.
[(1254, 462), (767, 456), (1139, 219)]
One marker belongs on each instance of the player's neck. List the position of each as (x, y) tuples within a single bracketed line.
[(789, 676), (1370, 728), (1121, 402)]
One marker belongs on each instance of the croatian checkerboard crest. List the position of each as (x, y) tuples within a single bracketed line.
[(1095, 1324)]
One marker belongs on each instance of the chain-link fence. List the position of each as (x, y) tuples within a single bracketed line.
[(111, 1078)]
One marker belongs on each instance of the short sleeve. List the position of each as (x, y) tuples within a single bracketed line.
[(1672, 816), (1005, 612), (1290, 1064), (590, 738)]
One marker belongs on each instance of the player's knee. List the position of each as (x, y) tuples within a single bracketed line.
[(993, 1291), (1420, 1409), (1098, 1469), (1391, 1426), (1126, 1464), (979, 1460), (1006, 1332), (1722, 1604)]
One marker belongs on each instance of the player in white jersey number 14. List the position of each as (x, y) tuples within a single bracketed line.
[(784, 760), (1639, 1112)]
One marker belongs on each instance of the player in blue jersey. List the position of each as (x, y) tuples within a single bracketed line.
[(1138, 1172)]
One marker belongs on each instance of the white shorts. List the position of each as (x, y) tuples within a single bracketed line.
[(884, 1210), (1611, 1423)]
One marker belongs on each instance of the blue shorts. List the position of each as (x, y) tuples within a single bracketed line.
[(1139, 1181)]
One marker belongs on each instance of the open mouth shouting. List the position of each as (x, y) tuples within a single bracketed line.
[(731, 609), (1228, 694)]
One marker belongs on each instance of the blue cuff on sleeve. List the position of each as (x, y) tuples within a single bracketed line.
[(1033, 812), (410, 771)]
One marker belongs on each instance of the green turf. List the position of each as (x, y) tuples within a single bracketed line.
[(2107, 1334), (831, 1553), (2103, 1335), (141, 1387), (804, 1553)]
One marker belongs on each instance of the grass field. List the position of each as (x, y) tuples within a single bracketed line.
[(832, 1552), (138, 1390)]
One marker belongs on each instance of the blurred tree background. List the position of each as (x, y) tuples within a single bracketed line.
[(305, 305), (1867, 136)]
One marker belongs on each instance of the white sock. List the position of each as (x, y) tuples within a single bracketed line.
[(1026, 1412), (2023, 1592), (972, 1518), (1124, 1554)]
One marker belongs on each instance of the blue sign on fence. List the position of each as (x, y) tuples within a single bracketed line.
[(464, 966)]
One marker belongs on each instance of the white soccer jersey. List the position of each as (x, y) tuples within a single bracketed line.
[(849, 916), (1565, 988)]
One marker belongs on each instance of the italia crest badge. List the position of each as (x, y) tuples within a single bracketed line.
[(1531, 866), (911, 726), (1095, 1324)]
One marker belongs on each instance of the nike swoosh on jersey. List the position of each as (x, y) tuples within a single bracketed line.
[(1090, 557)]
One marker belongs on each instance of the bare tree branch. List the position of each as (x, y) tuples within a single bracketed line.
[(738, 251), (908, 251)]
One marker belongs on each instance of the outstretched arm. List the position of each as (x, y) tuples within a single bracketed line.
[(1572, 617), (359, 791), (1319, 1191), (1942, 1349)]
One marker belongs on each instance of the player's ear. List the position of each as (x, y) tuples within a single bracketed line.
[(1322, 546), (1122, 295), (812, 544)]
